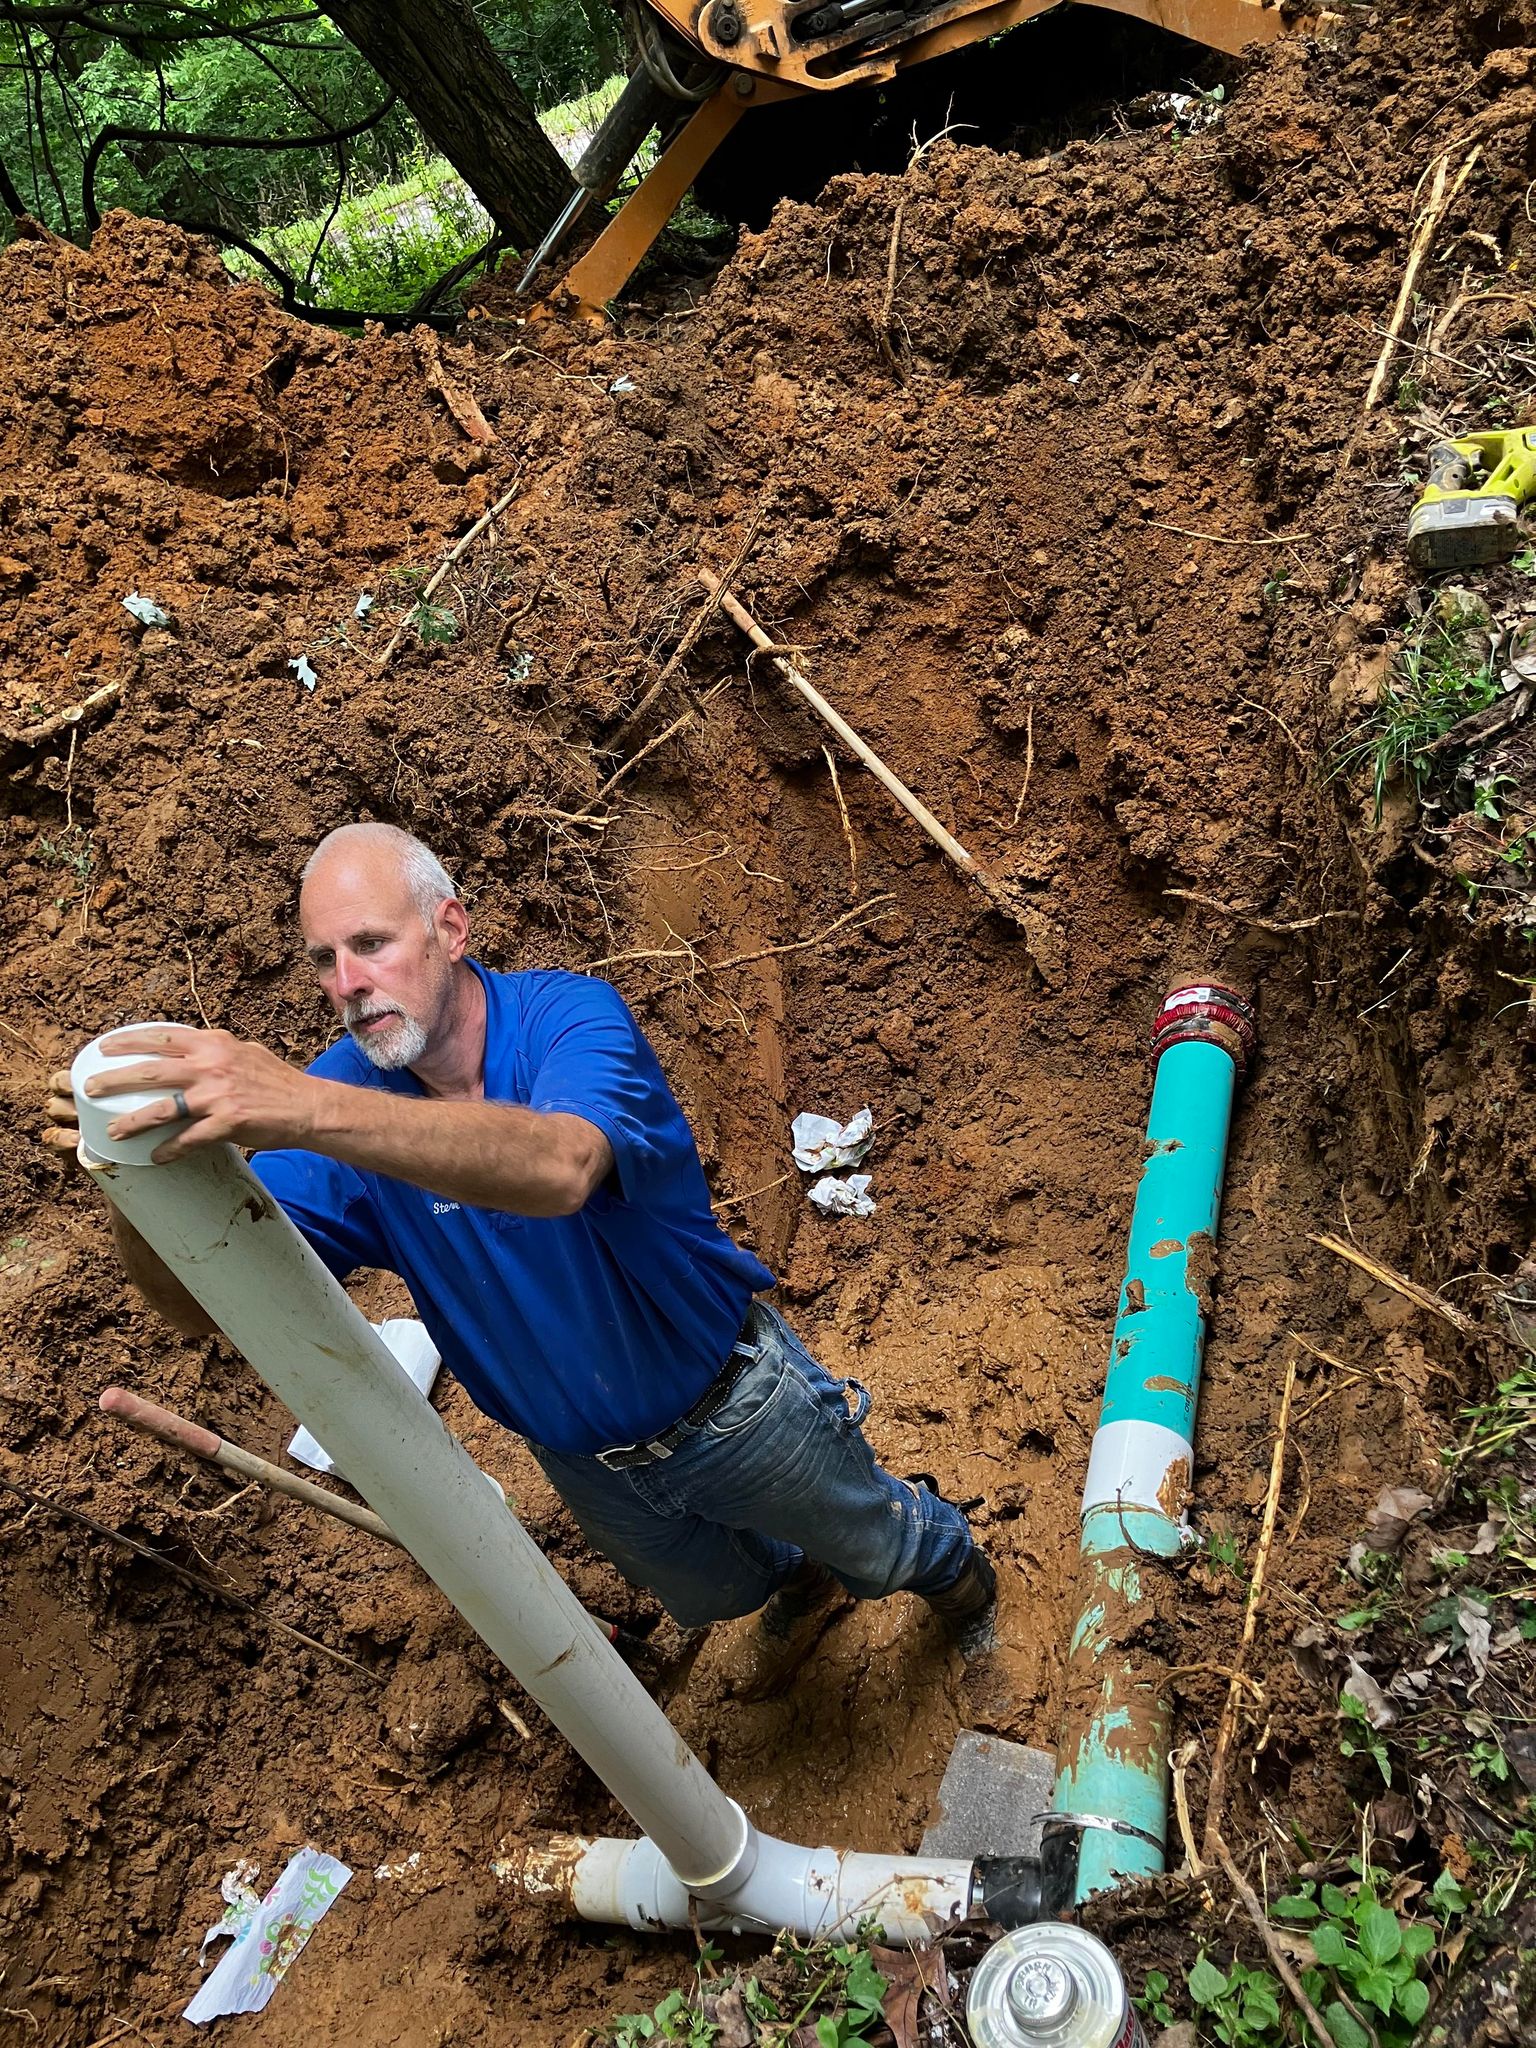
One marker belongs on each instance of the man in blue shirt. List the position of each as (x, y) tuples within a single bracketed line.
[(508, 1145)]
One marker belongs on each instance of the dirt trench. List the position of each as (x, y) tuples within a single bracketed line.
[(1066, 534)]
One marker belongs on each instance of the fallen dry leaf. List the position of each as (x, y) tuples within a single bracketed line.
[(1397, 1508), (1360, 1685), (906, 1979)]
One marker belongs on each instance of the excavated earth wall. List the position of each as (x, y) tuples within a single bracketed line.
[(1083, 527)]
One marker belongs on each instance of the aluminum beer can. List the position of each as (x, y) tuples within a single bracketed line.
[(1050, 1986)]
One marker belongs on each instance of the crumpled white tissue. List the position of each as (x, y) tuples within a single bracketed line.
[(821, 1142), (266, 1934), (848, 1197), (414, 1349)]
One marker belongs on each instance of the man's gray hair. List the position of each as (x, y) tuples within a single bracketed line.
[(424, 874)]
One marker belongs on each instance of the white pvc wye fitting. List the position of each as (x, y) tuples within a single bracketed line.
[(816, 1894), (97, 1111)]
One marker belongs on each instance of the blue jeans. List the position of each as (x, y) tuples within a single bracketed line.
[(778, 1474)]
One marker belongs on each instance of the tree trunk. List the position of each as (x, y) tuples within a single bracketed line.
[(437, 57), (603, 27)]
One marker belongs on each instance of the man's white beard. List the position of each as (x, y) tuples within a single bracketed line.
[(388, 1050)]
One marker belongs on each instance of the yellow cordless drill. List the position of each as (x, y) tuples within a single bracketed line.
[(1469, 511)]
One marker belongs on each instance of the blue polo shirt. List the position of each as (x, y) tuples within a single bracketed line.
[(577, 1331)]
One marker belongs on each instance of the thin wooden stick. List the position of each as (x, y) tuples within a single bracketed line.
[(1277, 1955), (447, 563), (1179, 1764), (883, 328), (685, 646), (628, 767), (182, 1435), (1437, 205), (1232, 540), (1216, 1799), (853, 851), (735, 1201), (1408, 1289), (947, 843), (56, 1507), (1029, 760), (1263, 924)]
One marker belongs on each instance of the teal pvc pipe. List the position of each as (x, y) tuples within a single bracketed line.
[(1113, 1765)]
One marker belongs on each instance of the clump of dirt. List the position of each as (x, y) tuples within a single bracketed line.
[(1062, 521)]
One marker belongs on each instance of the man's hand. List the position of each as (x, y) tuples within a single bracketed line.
[(233, 1091), (62, 1130)]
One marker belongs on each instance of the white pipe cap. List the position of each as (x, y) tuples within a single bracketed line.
[(97, 1111)]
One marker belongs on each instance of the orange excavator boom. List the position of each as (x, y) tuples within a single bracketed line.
[(723, 58)]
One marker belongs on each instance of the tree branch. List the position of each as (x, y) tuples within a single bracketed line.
[(203, 140)]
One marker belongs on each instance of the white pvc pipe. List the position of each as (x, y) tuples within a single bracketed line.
[(210, 1221), (230, 1245)]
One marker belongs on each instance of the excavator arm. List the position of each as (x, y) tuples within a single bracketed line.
[(723, 58)]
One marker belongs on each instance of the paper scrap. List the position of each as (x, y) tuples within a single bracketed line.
[(237, 1888), (413, 1348), (364, 605), (145, 610), (821, 1142), (848, 1197), (299, 663), (266, 1935)]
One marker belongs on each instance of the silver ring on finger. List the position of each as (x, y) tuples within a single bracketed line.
[(180, 1101)]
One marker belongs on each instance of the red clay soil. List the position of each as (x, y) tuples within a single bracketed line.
[(1064, 526)]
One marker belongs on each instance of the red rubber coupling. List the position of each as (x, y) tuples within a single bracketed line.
[(1207, 1012)]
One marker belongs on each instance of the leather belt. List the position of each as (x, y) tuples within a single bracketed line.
[(624, 1457)]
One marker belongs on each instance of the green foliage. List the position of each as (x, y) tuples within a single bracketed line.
[(674, 2019), (1440, 677), (1223, 1548), (1152, 2002), (1368, 1963), (381, 249), (1361, 1739), (299, 78), (1239, 2006), (1495, 1424), (837, 1982)]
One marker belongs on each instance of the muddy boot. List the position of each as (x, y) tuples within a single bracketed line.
[(786, 1632), (968, 1608)]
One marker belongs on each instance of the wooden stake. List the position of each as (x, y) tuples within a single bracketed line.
[(168, 1428), (1217, 1796)]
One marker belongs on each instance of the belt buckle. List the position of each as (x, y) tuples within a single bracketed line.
[(655, 1448)]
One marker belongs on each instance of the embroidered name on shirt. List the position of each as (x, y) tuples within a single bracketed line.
[(444, 1208)]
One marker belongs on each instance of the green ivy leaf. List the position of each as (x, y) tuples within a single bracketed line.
[(1336, 1904), (1418, 1940), (1294, 1907), (864, 1987), (1206, 1983), (1380, 1936), (1413, 2002), (1346, 2030), (1331, 1948), (1378, 1987)]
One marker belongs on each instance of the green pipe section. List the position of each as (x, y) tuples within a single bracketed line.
[(1112, 1775)]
